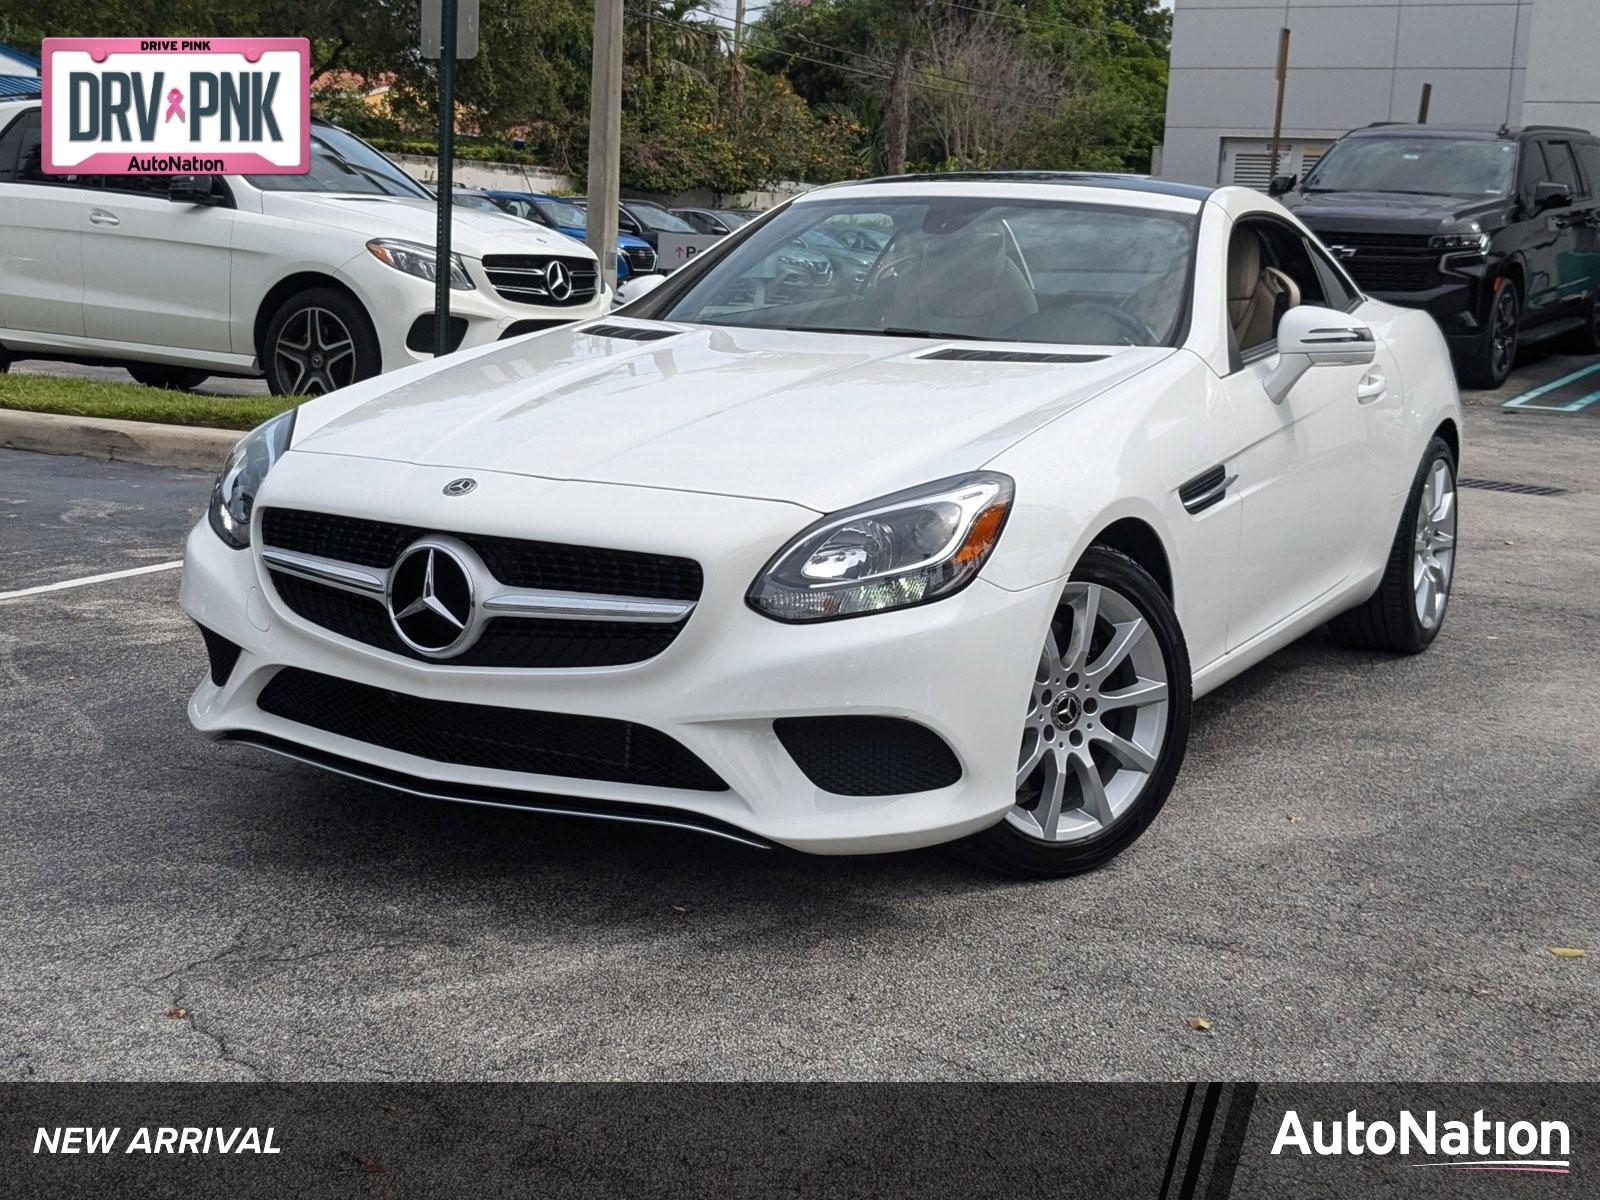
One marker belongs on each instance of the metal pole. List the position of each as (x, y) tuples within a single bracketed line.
[(1422, 105), (605, 137), (1277, 115), (446, 181)]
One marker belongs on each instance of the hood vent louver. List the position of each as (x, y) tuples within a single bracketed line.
[(1016, 356), (630, 332)]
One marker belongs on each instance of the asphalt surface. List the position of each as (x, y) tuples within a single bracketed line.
[(1360, 874)]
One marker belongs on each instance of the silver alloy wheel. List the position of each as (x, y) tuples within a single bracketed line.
[(1097, 718), (316, 343), (1434, 544)]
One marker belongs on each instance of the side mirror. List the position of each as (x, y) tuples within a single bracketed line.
[(192, 189), (1312, 336), (636, 287), (1551, 195), (1282, 185)]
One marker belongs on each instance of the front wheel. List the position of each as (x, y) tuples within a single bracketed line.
[(318, 342), (1106, 726), (1489, 363)]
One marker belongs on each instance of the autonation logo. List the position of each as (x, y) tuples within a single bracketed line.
[(1480, 1144)]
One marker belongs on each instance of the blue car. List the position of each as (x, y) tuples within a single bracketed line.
[(635, 256)]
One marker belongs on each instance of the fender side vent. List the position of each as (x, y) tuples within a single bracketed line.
[(630, 332), (1506, 485), (1016, 356), (1205, 489)]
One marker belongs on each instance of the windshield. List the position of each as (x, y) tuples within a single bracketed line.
[(731, 219), (342, 162), (968, 267), (1428, 166), (559, 212)]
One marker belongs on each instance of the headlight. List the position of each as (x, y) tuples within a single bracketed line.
[(416, 259), (909, 548), (233, 496), (1476, 242)]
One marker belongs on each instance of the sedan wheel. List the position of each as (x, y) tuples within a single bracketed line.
[(318, 342), (1096, 720), (1105, 729), (1406, 611), (1434, 544)]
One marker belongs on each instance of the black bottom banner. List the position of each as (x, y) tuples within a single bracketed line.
[(1157, 1141)]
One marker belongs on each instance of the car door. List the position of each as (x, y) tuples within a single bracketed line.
[(1572, 225), (1589, 231), (1310, 471), (1539, 234), (41, 247), (156, 273)]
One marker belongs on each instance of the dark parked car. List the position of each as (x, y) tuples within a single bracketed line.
[(1494, 232), (711, 220), (647, 220)]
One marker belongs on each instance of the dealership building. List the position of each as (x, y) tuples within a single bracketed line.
[(1353, 62)]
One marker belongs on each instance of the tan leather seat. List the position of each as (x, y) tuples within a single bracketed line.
[(965, 283), (1258, 295)]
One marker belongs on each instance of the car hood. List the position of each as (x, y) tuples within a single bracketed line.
[(822, 420), (1388, 211), (474, 232)]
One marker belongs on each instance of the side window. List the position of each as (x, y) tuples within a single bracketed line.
[(1588, 159), (1531, 170), (1558, 158), (1270, 271), (139, 185), (10, 144), (1336, 291), (30, 157)]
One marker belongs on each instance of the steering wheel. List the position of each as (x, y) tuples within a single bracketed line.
[(1140, 333)]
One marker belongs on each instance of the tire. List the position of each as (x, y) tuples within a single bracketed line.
[(157, 375), (1587, 339), (1393, 619), (1489, 363), (319, 341), (1070, 726)]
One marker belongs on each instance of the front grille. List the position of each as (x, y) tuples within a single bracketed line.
[(520, 278), (1387, 262), (482, 735), (868, 756), (642, 259), (505, 642)]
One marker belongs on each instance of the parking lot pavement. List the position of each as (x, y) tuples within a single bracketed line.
[(1360, 874)]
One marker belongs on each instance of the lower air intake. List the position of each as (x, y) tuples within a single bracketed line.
[(221, 654), (482, 735), (868, 756)]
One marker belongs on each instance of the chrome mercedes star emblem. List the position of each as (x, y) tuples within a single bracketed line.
[(459, 487), (558, 280), (430, 599)]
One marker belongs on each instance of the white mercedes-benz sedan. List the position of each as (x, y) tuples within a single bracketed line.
[(940, 548)]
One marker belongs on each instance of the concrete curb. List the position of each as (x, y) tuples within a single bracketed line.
[(119, 441)]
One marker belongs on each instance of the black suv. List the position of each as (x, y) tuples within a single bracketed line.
[(1494, 232)]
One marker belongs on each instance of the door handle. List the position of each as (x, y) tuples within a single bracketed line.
[(99, 216), (1372, 385)]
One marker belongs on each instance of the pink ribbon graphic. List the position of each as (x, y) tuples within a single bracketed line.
[(175, 105)]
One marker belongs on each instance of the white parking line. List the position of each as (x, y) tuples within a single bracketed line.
[(88, 579)]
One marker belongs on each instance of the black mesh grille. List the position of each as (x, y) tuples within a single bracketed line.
[(642, 259), (221, 654), (513, 561), (1387, 262), (481, 735), (521, 278), (868, 756), (506, 642)]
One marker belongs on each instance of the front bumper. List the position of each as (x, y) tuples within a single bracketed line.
[(395, 300), (959, 667)]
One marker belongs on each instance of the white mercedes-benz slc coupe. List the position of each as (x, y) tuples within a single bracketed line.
[(941, 550)]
